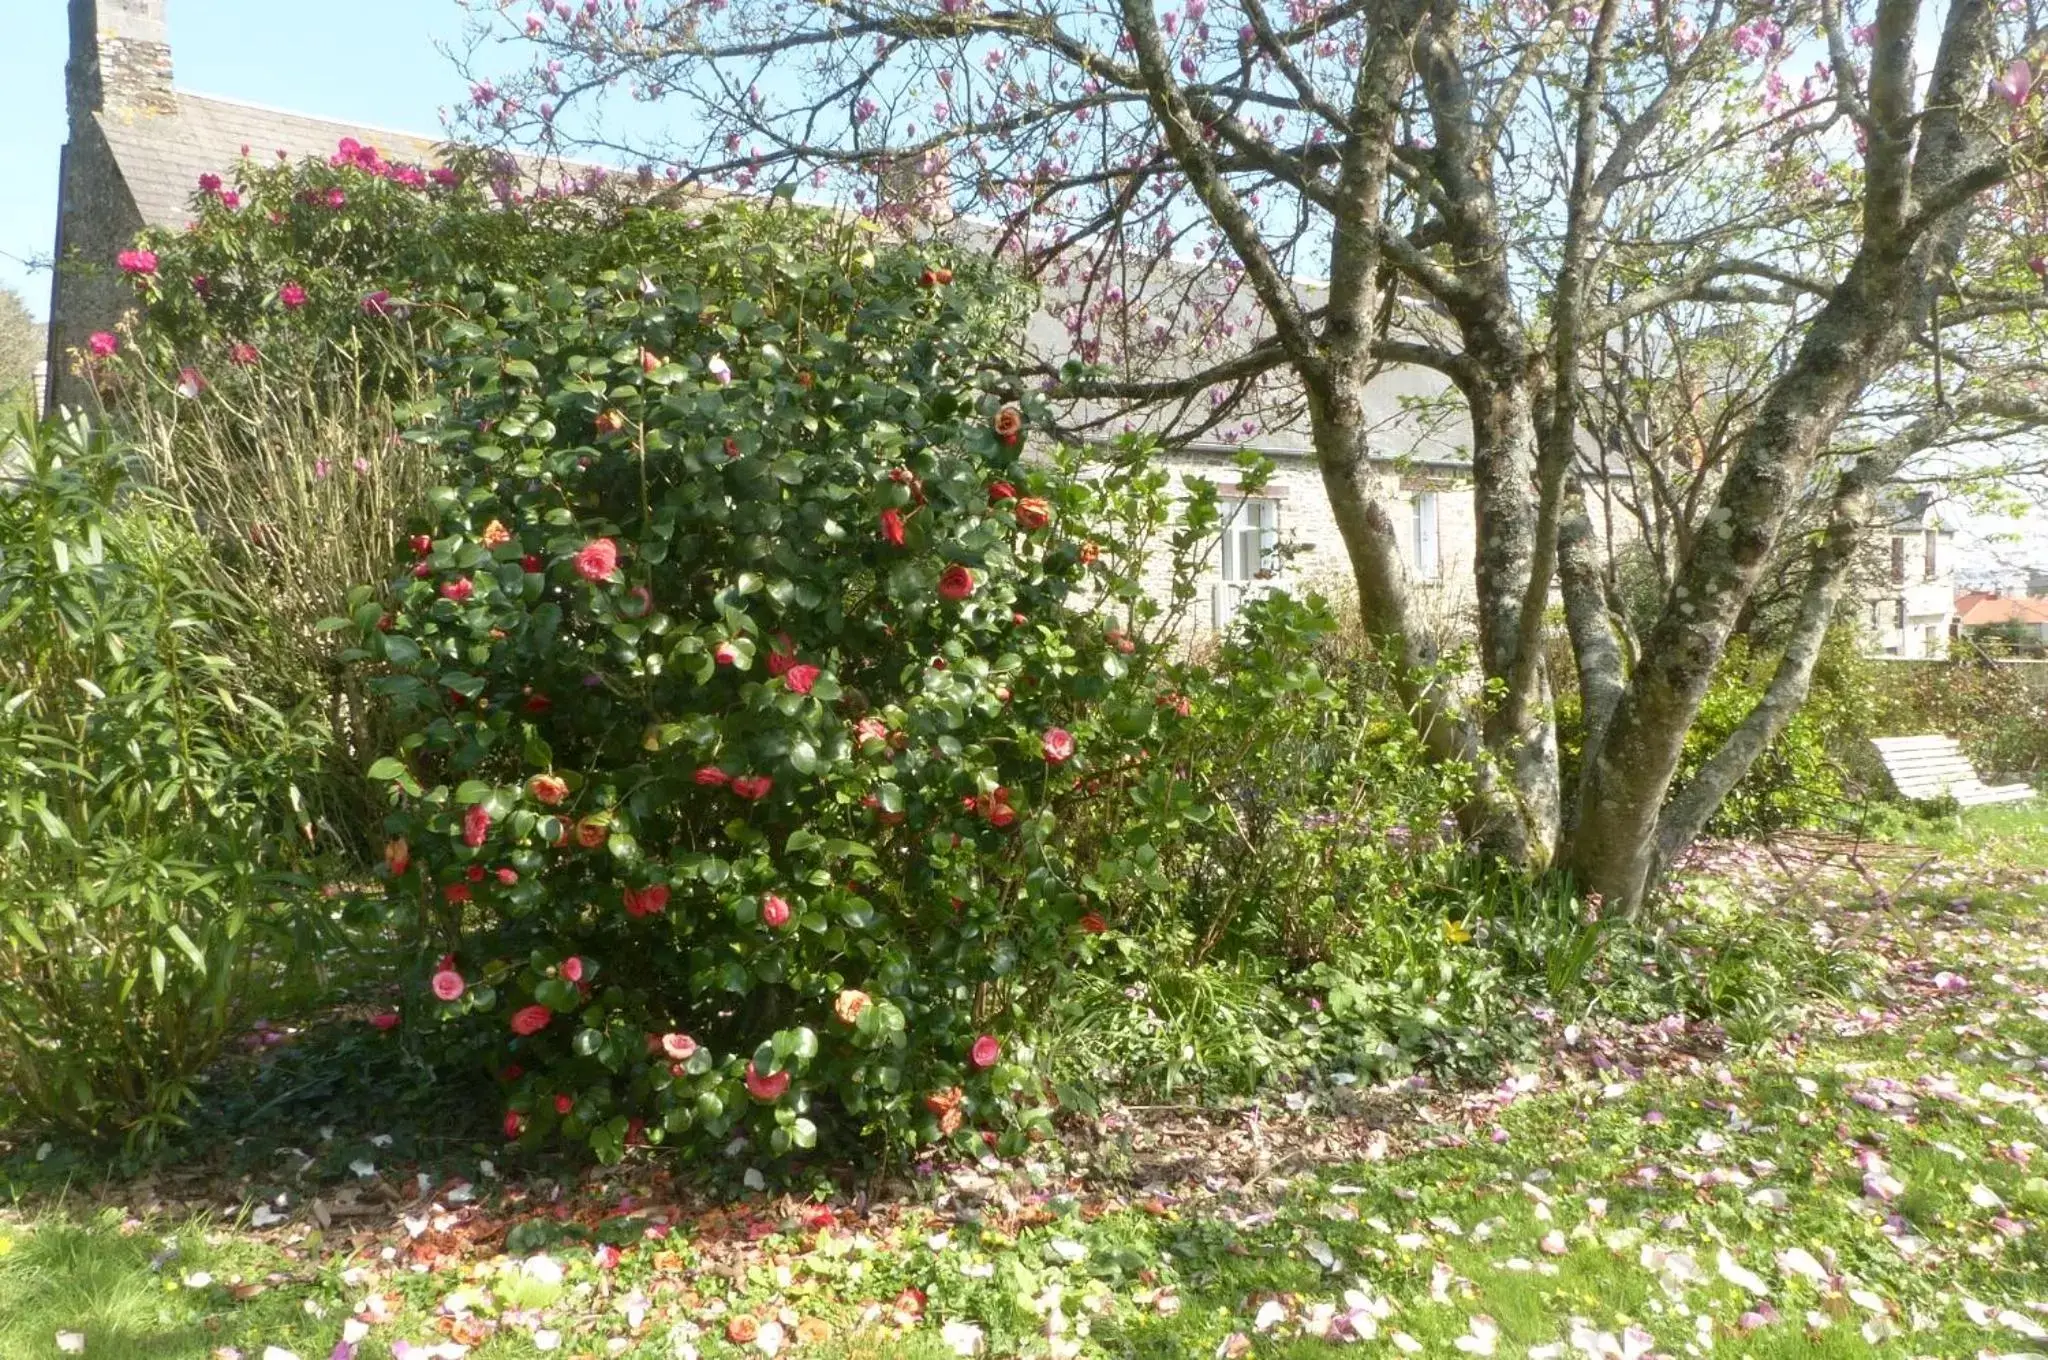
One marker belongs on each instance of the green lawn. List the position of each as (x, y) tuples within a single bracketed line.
[(1876, 1185)]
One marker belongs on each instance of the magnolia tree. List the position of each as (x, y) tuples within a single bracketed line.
[(1487, 191)]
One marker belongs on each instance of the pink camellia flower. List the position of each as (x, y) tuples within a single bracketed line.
[(384, 1020), (892, 527), (956, 582), (800, 678), (476, 825), (190, 383), (766, 1088), (651, 900), (987, 1049), (719, 369), (1033, 513), (679, 1047), (458, 590), (292, 295), (530, 1020), (448, 984), (711, 777), (870, 729), (1058, 745), (726, 654), (548, 789), (572, 968), (774, 912), (103, 344), (1001, 491), (649, 360), (752, 787), (598, 560), (515, 1124), (141, 263), (506, 876)]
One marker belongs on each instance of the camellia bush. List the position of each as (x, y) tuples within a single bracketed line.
[(754, 686)]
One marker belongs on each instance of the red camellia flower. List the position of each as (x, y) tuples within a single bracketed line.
[(422, 544), (649, 360), (572, 968), (711, 777), (680, 1047), (292, 296), (1033, 513), (384, 1020), (892, 527), (548, 789), (564, 1104), (476, 825), (141, 263), (725, 654), (956, 582), (1001, 491), (648, 901), (592, 832), (448, 984), (506, 876), (458, 590), (515, 1124), (1009, 423), (455, 892), (529, 1020), (1093, 923), (598, 560), (987, 1049), (800, 678), (1058, 745), (752, 787), (474, 873), (397, 856), (610, 421), (774, 912), (769, 1087)]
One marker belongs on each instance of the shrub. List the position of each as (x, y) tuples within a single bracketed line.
[(750, 686), (149, 809)]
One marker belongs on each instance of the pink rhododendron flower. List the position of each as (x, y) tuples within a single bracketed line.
[(800, 678), (956, 582), (529, 1020), (987, 1049), (476, 825), (769, 1087), (209, 183), (774, 912), (1058, 745), (103, 344), (448, 984), (598, 560), (141, 263), (292, 295)]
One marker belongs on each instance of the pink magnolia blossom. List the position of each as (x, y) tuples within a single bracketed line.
[(2017, 84)]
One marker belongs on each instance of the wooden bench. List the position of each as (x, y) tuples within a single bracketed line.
[(1926, 768)]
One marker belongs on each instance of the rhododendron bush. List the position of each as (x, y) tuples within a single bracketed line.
[(755, 688)]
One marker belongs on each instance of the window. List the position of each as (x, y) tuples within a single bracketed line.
[(1874, 623), (1248, 557), (1899, 613), (1898, 559), (1428, 562), (1932, 537), (1930, 641)]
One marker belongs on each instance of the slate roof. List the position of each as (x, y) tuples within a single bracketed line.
[(162, 156)]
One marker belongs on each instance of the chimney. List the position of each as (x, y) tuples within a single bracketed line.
[(120, 59)]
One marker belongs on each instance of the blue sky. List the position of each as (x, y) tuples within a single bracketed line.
[(372, 61)]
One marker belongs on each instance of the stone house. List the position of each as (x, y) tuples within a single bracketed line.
[(1910, 582)]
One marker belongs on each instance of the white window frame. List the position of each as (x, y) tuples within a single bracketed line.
[(1426, 535), (1247, 555)]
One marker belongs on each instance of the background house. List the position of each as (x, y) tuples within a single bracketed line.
[(2003, 625), (1910, 585)]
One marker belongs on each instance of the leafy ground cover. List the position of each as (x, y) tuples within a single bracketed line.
[(1872, 1182)]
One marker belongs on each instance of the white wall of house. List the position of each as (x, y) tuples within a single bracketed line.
[(1911, 611)]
